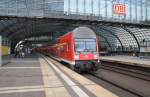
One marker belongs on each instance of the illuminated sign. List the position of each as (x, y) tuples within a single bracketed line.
[(119, 9)]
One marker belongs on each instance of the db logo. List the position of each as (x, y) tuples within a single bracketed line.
[(119, 9)]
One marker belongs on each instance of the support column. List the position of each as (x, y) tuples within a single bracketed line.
[(106, 8), (84, 4), (0, 51), (146, 10), (99, 7), (44, 8), (130, 10), (141, 10), (112, 9), (136, 9), (77, 7), (68, 6), (4, 51), (92, 5)]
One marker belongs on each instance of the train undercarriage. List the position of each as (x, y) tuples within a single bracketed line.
[(86, 66)]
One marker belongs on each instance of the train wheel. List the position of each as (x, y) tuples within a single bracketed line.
[(72, 67), (79, 70), (95, 67)]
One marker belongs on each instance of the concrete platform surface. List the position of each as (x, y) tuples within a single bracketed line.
[(127, 60), (21, 78), (82, 86), (36, 77)]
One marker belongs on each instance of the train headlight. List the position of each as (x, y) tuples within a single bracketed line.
[(95, 56), (76, 57)]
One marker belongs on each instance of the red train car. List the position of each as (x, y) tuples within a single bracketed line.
[(79, 48)]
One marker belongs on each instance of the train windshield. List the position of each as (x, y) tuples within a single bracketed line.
[(85, 45)]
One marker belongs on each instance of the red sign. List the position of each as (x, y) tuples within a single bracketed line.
[(86, 56), (119, 9)]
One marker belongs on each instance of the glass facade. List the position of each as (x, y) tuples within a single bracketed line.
[(111, 37), (30, 7), (53, 6), (136, 10)]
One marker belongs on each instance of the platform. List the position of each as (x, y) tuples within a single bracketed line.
[(130, 60), (36, 77)]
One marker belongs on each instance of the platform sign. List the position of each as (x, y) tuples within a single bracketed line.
[(119, 9)]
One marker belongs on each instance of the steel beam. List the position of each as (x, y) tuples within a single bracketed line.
[(106, 40), (132, 34), (97, 32), (105, 29)]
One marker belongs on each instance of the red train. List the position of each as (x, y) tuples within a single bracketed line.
[(79, 48)]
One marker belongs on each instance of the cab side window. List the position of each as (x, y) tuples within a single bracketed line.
[(68, 47)]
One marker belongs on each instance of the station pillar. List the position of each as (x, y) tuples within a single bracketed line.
[(5, 55), (0, 51)]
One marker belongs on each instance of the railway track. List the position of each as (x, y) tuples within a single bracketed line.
[(139, 76), (133, 72), (118, 86)]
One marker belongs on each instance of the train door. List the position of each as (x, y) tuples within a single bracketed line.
[(68, 51)]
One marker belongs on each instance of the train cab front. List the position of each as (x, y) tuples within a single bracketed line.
[(86, 55)]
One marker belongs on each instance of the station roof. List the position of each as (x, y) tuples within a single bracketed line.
[(113, 36), (28, 19)]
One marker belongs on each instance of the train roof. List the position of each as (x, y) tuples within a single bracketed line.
[(84, 32)]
